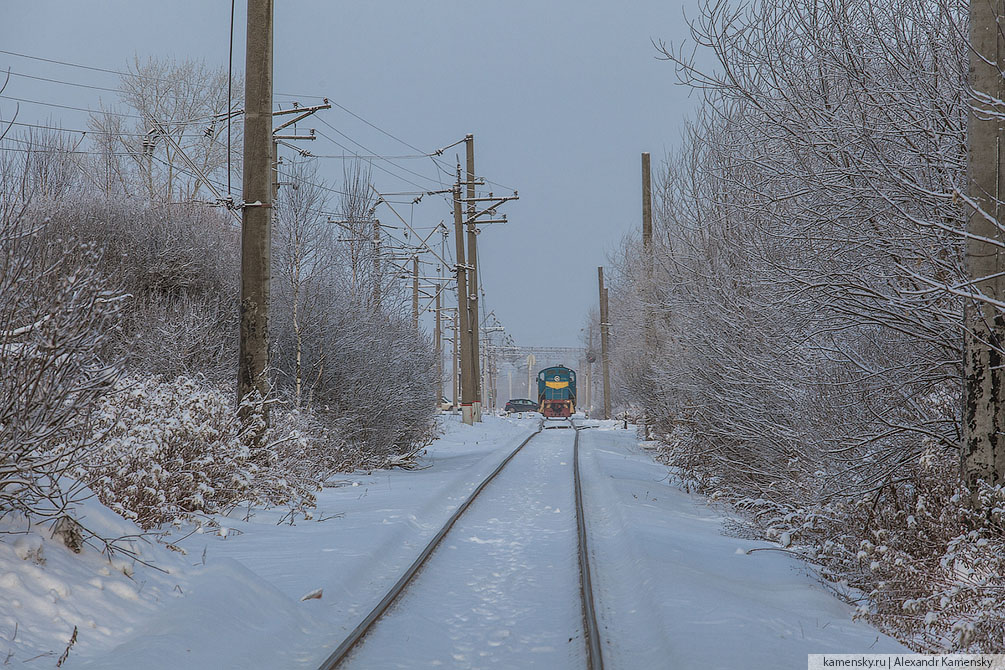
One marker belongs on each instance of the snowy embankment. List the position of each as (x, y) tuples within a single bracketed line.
[(233, 599), (675, 591), (671, 586)]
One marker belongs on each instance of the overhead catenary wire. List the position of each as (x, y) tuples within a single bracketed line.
[(356, 116), (84, 132), (134, 75), (60, 81), (371, 151), (371, 154), (71, 107), (68, 152), (432, 155), (83, 67)]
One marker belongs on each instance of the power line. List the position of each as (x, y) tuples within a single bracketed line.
[(438, 164), (378, 166), (79, 109), (120, 73), (159, 79), (85, 132), (422, 176), (310, 183), (60, 81), (374, 157), (83, 67), (354, 114), (68, 152)]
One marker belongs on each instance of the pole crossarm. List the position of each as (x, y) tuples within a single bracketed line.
[(380, 199), (492, 198), (542, 350), (295, 110), (294, 137), (303, 113), (473, 218)]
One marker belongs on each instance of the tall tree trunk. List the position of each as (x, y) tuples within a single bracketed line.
[(983, 454)]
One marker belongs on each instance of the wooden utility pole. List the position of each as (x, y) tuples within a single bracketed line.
[(469, 383), (983, 453), (256, 213), (604, 343), (469, 145)]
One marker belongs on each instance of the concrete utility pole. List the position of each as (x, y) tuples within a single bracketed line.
[(531, 362), (438, 341), (647, 250), (256, 214), (455, 398), (469, 145), (983, 453), (590, 357), (603, 343), (469, 383), (415, 292), (647, 204), (378, 277)]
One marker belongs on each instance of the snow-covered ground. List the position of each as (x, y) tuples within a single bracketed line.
[(673, 590)]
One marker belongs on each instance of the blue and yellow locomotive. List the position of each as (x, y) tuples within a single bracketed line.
[(556, 391)]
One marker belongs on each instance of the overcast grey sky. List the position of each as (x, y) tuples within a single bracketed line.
[(562, 97)]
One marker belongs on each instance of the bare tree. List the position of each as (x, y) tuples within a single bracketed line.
[(357, 365), (356, 208), (55, 313), (810, 271), (304, 258), (174, 132)]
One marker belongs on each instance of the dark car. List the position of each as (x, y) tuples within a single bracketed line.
[(521, 405)]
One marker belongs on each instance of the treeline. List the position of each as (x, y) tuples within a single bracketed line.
[(119, 293), (794, 337)]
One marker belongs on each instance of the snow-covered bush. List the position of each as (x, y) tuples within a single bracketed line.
[(920, 561), (180, 266), (171, 448), (343, 348), (794, 330), (56, 312), (373, 377)]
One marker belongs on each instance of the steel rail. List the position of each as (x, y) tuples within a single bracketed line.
[(350, 642), (594, 656)]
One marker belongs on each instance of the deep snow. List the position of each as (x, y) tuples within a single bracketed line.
[(673, 590)]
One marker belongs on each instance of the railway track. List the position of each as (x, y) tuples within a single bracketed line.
[(591, 628)]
